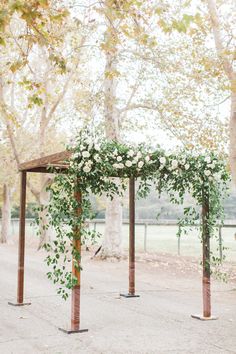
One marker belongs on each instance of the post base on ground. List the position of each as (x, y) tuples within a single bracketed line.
[(19, 304), (71, 331), (202, 318), (129, 295)]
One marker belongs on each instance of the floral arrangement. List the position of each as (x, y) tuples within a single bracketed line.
[(95, 166)]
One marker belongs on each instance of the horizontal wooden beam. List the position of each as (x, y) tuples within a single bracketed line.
[(45, 162)]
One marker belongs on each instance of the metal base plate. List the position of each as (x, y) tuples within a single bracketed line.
[(71, 331), (129, 295), (202, 318), (19, 304)]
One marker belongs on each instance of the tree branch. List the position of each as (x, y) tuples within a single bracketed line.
[(218, 39)]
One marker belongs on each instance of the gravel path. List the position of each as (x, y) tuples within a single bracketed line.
[(158, 322)]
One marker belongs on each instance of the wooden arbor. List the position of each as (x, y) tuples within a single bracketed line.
[(41, 165), (57, 161)]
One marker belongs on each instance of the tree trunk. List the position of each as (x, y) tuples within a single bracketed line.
[(231, 74), (6, 215), (232, 147), (44, 231), (113, 227)]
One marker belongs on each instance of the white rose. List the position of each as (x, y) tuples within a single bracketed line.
[(128, 163), (174, 163), (207, 173), (97, 158), (130, 153), (147, 158), (207, 159), (119, 158), (139, 154), (76, 155), (212, 165), (121, 165), (186, 166), (85, 154), (140, 164), (163, 160), (87, 168)]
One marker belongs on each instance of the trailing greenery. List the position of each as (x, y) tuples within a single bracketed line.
[(102, 167)]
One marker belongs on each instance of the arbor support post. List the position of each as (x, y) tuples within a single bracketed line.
[(21, 245), (206, 267), (131, 292), (76, 273)]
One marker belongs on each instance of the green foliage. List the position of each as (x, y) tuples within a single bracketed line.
[(95, 166)]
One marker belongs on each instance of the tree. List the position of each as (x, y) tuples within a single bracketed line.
[(36, 92), (226, 52)]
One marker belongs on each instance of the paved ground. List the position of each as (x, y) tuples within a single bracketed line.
[(158, 322)]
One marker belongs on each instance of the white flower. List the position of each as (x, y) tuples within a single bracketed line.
[(115, 152), (212, 165), (87, 168), (90, 146), (131, 153), (163, 160), (174, 164), (147, 158), (139, 154), (207, 173), (96, 147), (85, 154), (207, 159), (187, 166), (89, 163), (119, 158), (97, 158), (115, 165), (140, 164), (120, 165), (128, 163), (75, 155)]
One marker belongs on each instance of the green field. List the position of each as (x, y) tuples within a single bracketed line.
[(160, 239)]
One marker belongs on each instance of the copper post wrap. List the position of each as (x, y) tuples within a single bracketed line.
[(21, 246), (132, 236), (75, 299), (206, 276), (206, 289), (75, 308)]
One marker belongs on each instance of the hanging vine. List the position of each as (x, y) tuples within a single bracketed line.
[(94, 167)]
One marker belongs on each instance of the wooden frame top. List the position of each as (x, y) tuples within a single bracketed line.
[(42, 164)]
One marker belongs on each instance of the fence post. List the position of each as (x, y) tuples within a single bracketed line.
[(179, 245), (145, 237), (220, 243)]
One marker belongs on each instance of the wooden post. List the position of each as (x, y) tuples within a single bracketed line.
[(206, 268), (206, 276), (145, 237), (21, 245), (76, 264), (131, 292)]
